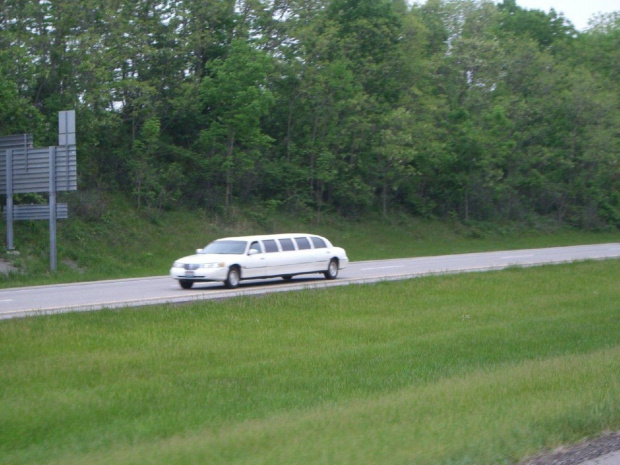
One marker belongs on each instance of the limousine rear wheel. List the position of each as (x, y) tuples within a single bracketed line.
[(234, 277), (332, 269)]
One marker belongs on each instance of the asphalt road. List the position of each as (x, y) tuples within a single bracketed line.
[(29, 301)]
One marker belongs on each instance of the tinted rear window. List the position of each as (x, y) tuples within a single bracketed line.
[(318, 242), (302, 243), (287, 244), (270, 246)]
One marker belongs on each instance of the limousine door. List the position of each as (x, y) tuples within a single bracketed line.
[(255, 265), (322, 252), (276, 260), (306, 258), (289, 260)]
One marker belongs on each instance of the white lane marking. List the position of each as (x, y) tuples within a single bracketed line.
[(517, 256), (383, 267), (7, 300)]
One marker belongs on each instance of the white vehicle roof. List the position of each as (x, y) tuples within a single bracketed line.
[(268, 236)]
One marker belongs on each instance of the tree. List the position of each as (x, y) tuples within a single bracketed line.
[(235, 97), (395, 152), (549, 30), (454, 107), (143, 163), (16, 114)]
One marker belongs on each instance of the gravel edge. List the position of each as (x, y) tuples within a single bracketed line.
[(578, 453)]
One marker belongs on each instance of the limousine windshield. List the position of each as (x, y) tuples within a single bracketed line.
[(225, 247)]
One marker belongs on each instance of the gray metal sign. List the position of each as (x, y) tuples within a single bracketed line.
[(38, 212), (20, 141), (24, 169), (66, 127), (31, 169)]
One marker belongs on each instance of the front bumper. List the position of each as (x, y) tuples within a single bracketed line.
[(199, 274)]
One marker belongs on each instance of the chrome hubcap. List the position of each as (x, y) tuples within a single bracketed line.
[(333, 268)]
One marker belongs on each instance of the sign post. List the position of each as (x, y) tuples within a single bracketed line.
[(52, 200), (9, 200)]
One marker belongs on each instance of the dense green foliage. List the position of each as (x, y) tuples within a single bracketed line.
[(484, 368), (454, 107)]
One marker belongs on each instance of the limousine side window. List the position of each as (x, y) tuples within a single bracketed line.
[(270, 245), (302, 243), (286, 244), (318, 242)]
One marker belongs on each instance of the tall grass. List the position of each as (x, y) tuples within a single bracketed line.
[(473, 369)]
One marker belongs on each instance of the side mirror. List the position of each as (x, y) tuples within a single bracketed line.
[(253, 252), (198, 250)]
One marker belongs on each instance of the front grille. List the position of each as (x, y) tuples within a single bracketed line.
[(190, 267)]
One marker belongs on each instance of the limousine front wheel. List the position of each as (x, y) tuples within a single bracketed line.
[(234, 277), (332, 269), (186, 284)]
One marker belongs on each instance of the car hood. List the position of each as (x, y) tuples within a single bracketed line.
[(205, 258)]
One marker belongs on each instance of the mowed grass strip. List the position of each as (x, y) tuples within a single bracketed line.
[(473, 369)]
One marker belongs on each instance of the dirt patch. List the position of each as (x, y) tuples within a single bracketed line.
[(72, 265), (6, 267), (579, 453)]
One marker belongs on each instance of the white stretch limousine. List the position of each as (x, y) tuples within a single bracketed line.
[(232, 259)]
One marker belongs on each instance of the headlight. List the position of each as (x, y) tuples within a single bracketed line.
[(177, 265), (214, 265)]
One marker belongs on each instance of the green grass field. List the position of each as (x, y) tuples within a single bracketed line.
[(483, 368)]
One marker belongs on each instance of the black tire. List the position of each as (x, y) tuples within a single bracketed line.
[(332, 269), (186, 284), (234, 277), (287, 277)]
